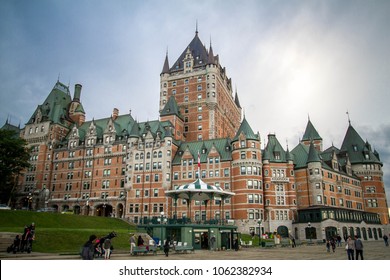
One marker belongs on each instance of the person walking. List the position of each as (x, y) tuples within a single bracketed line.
[(358, 248), (328, 245), (350, 247), (166, 247), (386, 239), (132, 243), (107, 248), (338, 240), (333, 244)]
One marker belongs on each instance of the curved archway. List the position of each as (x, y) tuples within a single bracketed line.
[(120, 210), (364, 231), (330, 232), (103, 210), (77, 209), (375, 234), (351, 232), (283, 231), (345, 233), (358, 233)]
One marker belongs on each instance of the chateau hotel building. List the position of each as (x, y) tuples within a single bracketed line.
[(120, 167)]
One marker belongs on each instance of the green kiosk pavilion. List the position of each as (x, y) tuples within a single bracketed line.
[(202, 233)]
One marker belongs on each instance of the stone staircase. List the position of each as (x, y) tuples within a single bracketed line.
[(6, 239)]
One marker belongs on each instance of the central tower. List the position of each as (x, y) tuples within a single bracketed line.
[(203, 93)]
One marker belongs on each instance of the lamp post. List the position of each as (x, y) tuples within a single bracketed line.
[(104, 209), (259, 222), (309, 226), (161, 220), (29, 201)]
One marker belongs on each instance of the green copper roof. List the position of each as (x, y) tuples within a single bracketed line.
[(125, 125), (55, 107), (357, 150), (274, 151), (313, 154), (171, 108), (310, 133), (80, 109), (301, 153), (246, 129), (13, 128), (204, 147)]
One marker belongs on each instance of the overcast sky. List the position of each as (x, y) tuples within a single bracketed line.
[(289, 60)]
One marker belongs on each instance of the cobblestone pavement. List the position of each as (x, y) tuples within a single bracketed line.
[(373, 250)]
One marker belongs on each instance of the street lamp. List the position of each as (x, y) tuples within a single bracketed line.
[(259, 222), (29, 201), (309, 226)]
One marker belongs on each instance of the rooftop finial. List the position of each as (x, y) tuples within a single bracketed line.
[(196, 30), (349, 120)]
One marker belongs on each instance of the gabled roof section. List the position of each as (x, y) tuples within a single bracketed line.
[(246, 129), (274, 151), (11, 127), (198, 51), (310, 133), (55, 106), (194, 147), (171, 108), (327, 155), (301, 153), (357, 149)]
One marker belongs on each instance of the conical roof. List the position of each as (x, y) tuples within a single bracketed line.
[(171, 108), (310, 133), (313, 154), (357, 149), (246, 129)]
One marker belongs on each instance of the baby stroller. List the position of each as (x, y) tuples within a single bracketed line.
[(15, 246)]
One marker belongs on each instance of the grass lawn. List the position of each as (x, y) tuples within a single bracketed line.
[(59, 233)]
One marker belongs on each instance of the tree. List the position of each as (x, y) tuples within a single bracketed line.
[(14, 157)]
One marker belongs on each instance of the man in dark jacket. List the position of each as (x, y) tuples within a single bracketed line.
[(358, 248)]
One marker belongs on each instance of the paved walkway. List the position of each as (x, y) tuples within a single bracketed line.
[(373, 250)]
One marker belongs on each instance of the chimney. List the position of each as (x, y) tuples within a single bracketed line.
[(77, 92), (115, 114)]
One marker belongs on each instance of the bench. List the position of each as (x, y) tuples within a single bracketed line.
[(142, 249), (285, 243), (269, 245), (320, 242), (184, 249)]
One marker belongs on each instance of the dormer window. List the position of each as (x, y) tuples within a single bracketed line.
[(355, 148)]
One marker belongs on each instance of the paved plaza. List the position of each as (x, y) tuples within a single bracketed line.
[(373, 250)]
